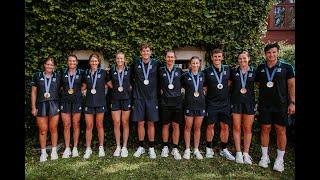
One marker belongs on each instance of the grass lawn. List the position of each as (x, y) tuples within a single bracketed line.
[(161, 168)]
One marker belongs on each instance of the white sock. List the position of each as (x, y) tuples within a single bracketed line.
[(264, 151), (43, 151), (54, 149), (280, 154), (195, 150), (239, 153), (101, 146), (88, 148), (245, 154)]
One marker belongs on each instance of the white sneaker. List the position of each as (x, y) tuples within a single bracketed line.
[(264, 161), (75, 152), (124, 152), (66, 153), (54, 155), (43, 157), (152, 153), (198, 154), (176, 154), (165, 151), (117, 152), (101, 151), (139, 151), (247, 159), (87, 153), (278, 165), (239, 157), (227, 154), (209, 152), (187, 154)]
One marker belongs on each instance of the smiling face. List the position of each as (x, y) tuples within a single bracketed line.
[(195, 64), (72, 62), (243, 59), (145, 53), (94, 62), (170, 58), (120, 59), (272, 54), (49, 65), (217, 59)]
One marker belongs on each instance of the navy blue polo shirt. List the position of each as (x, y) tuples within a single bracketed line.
[(140, 90), (38, 81), (126, 93), (236, 96), (192, 102), (76, 97), (217, 97), (98, 99), (276, 97)]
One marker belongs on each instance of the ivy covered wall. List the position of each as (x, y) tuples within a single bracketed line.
[(57, 27)]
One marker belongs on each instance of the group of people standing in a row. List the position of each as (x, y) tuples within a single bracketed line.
[(153, 92)]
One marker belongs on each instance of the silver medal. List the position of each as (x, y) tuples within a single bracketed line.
[(270, 84), (146, 82), (46, 95), (120, 88), (170, 86), (219, 86), (93, 91), (196, 94)]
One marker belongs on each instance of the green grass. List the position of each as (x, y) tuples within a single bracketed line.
[(161, 168)]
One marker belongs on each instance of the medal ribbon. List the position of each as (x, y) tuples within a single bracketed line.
[(243, 79), (273, 72), (120, 78), (71, 82), (146, 74), (219, 79), (170, 78), (196, 85), (94, 81), (46, 83)]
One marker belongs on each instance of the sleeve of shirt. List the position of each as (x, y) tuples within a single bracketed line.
[(182, 80), (34, 81), (290, 72), (204, 77), (83, 80)]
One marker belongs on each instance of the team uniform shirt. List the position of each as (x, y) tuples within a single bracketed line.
[(215, 97), (98, 99), (276, 97), (236, 96), (126, 93), (39, 82), (76, 97), (192, 102), (140, 90), (171, 97)]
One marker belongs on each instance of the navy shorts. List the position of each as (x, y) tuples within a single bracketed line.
[(243, 108), (273, 117), (188, 112), (48, 108), (145, 110), (68, 107), (171, 114), (123, 104), (95, 110), (215, 115)]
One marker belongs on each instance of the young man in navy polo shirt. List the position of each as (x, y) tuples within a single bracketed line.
[(145, 94), (276, 81), (218, 103)]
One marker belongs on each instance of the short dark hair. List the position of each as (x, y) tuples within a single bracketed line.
[(271, 45), (216, 50), (144, 46), (72, 55)]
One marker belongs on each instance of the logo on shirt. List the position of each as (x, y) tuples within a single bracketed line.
[(262, 70), (99, 75), (237, 74), (88, 76), (115, 73), (176, 73), (164, 75), (77, 76), (54, 79), (211, 74), (279, 70), (41, 79), (139, 66), (126, 72), (66, 75), (250, 74), (189, 79), (200, 78), (224, 72)]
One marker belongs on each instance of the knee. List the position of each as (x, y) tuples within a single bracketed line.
[(175, 126), (67, 125), (53, 129), (265, 130), (99, 125), (43, 131), (236, 128), (89, 127), (247, 129), (116, 123), (224, 128), (210, 127)]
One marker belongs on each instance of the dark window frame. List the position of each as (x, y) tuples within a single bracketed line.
[(271, 18)]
